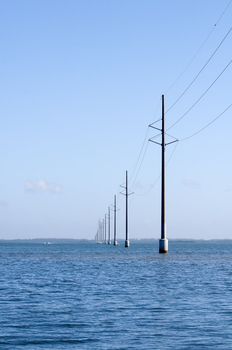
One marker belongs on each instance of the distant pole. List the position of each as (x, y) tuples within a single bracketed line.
[(163, 242), (105, 229), (103, 233), (126, 194), (100, 231), (115, 210), (109, 241), (127, 242)]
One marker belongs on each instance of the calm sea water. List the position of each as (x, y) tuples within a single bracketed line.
[(72, 295)]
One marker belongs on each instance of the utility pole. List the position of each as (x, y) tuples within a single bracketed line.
[(100, 231), (105, 230), (115, 210), (163, 242), (126, 194), (109, 241), (127, 242)]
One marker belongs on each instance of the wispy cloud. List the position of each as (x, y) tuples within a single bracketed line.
[(42, 186)]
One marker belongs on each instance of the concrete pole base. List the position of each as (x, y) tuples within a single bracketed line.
[(115, 242), (109, 242), (127, 243), (163, 246)]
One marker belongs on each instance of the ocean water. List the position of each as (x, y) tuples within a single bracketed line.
[(80, 295)]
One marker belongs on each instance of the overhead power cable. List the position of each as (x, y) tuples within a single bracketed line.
[(201, 70), (140, 154), (223, 12), (207, 125), (200, 47), (201, 96), (142, 149), (158, 178), (141, 163)]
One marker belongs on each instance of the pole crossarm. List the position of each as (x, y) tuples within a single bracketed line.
[(169, 143), (151, 125), (157, 143), (160, 143), (126, 194)]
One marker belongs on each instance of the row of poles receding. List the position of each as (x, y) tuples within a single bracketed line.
[(103, 234)]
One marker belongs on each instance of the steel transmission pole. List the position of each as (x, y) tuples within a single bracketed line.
[(115, 223), (105, 221), (126, 194), (163, 242), (109, 241), (127, 242)]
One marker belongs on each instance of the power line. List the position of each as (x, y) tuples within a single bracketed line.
[(141, 163), (143, 157), (223, 12), (207, 125), (140, 153), (200, 48), (158, 178), (201, 70), (134, 173), (201, 96)]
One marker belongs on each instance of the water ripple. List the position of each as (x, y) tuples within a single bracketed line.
[(87, 296)]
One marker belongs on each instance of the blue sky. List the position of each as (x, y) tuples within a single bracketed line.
[(80, 82)]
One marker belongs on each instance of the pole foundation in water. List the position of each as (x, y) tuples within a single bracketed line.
[(163, 246), (127, 243)]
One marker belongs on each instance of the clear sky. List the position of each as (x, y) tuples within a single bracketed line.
[(80, 82)]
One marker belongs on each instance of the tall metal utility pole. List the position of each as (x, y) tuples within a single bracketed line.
[(109, 241), (103, 230), (115, 223), (105, 221), (163, 242), (127, 242), (100, 231)]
